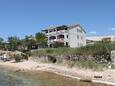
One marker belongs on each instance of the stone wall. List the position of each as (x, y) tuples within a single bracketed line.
[(100, 58)]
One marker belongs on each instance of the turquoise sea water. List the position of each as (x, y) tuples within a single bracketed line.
[(9, 77)]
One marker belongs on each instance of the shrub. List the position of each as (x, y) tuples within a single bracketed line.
[(90, 65), (113, 66), (18, 58), (57, 44), (100, 51)]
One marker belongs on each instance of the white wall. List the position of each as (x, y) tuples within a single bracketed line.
[(76, 38)]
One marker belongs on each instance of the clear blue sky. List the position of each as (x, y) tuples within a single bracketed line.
[(26, 17)]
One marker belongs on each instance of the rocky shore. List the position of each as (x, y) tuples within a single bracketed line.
[(106, 76)]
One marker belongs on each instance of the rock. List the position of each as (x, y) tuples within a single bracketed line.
[(85, 80), (52, 59), (18, 70), (37, 66), (97, 76)]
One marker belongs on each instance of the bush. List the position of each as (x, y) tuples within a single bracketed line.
[(113, 66), (99, 51), (57, 45), (18, 58), (90, 65), (86, 65)]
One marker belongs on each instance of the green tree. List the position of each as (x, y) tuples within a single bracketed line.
[(1, 43), (41, 38), (1, 40), (27, 42), (14, 43)]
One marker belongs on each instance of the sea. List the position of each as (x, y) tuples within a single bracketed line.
[(10, 77)]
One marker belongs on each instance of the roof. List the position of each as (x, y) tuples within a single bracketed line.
[(69, 27), (77, 25), (50, 28)]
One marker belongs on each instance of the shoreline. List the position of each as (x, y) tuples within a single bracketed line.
[(80, 74)]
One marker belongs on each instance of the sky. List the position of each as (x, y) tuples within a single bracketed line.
[(27, 17)]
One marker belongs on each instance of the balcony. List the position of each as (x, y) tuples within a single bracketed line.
[(61, 31), (56, 32), (61, 40), (56, 40)]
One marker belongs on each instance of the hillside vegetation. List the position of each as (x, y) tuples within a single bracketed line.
[(94, 56), (87, 50)]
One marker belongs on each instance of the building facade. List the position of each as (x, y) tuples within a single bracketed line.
[(72, 36)]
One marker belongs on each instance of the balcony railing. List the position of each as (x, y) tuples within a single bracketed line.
[(60, 40), (57, 32), (56, 40)]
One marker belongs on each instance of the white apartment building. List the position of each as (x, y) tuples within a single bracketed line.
[(72, 36)]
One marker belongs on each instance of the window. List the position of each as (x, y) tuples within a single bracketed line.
[(78, 44), (66, 43), (81, 37), (50, 31), (79, 30), (78, 37), (67, 36)]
